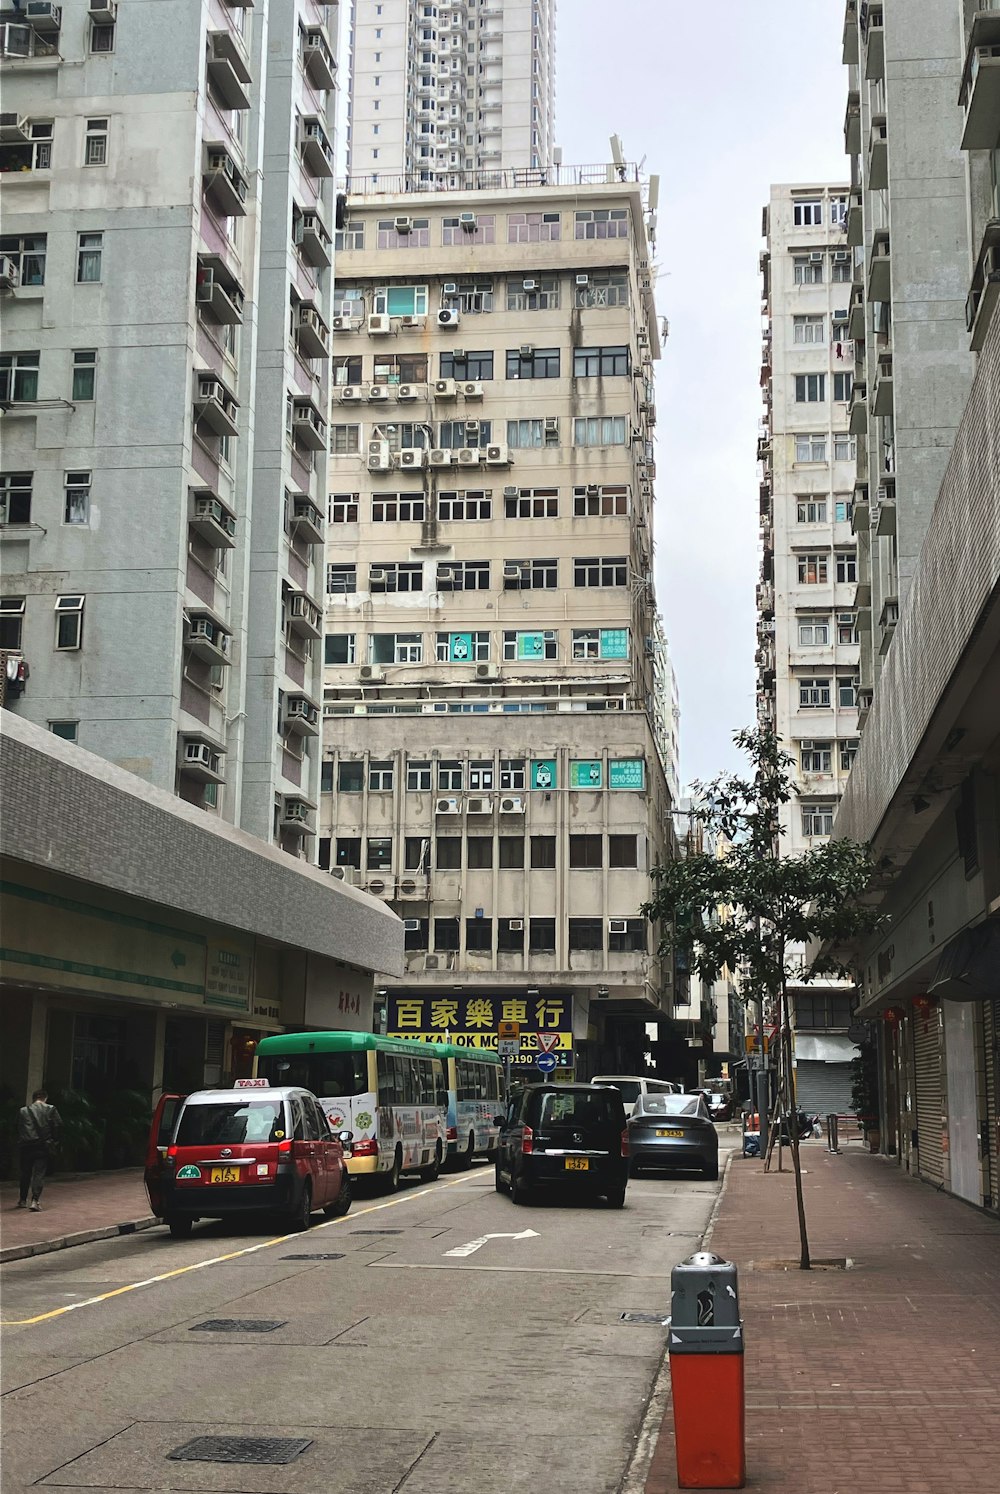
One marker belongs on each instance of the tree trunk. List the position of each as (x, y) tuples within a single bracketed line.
[(793, 1132)]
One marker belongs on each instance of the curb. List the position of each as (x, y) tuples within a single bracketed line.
[(81, 1237)]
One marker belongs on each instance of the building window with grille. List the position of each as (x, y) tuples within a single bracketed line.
[(33, 154), (632, 939), (814, 693), (817, 819), (539, 293), (542, 935), (623, 851), (586, 934), (95, 147), (470, 297), (586, 852), (601, 570), (102, 38), (816, 757), (813, 570), (602, 288), (76, 508), (341, 580)]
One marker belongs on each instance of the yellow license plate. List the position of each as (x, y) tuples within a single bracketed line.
[(670, 1133), (225, 1175), (577, 1164)]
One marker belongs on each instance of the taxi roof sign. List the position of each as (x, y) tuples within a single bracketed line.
[(508, 1029)]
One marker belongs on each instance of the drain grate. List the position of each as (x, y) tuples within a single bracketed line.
[(317, 1256), (241, 1450), (376, 1231), (238, 1325), (643, 1317)]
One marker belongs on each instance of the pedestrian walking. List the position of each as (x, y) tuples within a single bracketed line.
[(38, 1128)]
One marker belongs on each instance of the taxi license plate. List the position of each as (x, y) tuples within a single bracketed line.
[(224, 1175), (670, 1133), (577, 1164)]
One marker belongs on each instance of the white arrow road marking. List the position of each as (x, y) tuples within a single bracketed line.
[(473, 1245)]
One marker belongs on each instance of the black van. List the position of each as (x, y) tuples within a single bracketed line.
[(570, 1136)]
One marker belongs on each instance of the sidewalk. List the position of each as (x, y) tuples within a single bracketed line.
[(881, 1379), (75, 1210)]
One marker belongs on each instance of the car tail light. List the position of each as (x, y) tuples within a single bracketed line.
[(172, 1152), (452, 1133), (527, 1141), (365, 1148), (284, 1147), (625, 1142)]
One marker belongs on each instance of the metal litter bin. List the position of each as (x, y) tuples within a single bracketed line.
[(705, 1342)]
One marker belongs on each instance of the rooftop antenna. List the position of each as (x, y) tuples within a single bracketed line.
[(616, 151), (654, 193)]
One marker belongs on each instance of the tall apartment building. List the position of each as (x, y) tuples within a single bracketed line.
[(807, 622), (442, 92), (496, 763), (163, 387)]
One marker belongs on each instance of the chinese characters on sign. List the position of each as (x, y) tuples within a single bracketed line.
[(227, 976), (584, 773), (627, 773), (472, 1021)]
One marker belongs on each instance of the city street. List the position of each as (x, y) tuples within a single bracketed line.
[(440, 1346)]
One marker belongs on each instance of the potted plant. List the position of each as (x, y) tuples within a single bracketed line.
[(864, 1092)]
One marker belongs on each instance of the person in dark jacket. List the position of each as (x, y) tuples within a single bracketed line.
[(38, 1128)]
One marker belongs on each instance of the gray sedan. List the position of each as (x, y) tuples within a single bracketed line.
[(673, 1131)]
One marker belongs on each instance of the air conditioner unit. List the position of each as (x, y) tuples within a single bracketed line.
[(526, 350), (412, 456), (411, 925), (642, 338), (444, 388), (376, 885), (516, 925), (10, 274), (341, 324), (371, 673), (449, 316), (379, 459), (617, 925), (345, 874), (350, 393), (497, 456), (403, 225), (512, 571), (583, 279), (487, 672), (434, 962), (376, 574), (512, 806), (841, 256), (43, 15), (469, 456), (378, 393), (552, 424), (467, 221), (103, 12), (529, 285), (411, 321), (472, 429), (816, 257), (439, 457), (479, 806), (450, 288), (407, 391), (197, 755), (296, 812), (447, 806), (472, 390), (511, 492), (379, 324)]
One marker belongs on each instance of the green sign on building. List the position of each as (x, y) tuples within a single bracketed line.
[(627, 773), (543, 774), (614, 643), (585, 773)]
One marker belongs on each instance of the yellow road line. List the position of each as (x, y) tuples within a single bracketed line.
[(218, 1260)]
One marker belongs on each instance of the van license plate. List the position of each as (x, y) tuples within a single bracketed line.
[(577, 1164), (225, 1175), (670, 1133)]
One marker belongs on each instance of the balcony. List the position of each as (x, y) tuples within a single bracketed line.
[(207, 639), (301, 716), (314, 146), (879, 274), (984, 291), (200, 758), (887, 622), (852, 124), (878, 154), (863, 594), (307, 520), (884, 508), (850, 53), (313, 241), (295, 815), (765, 600), (215, 406), (980, 92), (218, 291), (765, 497), (212, 520), (303, 615), (313, 333), (20, 43), (856, 314), (223, 182), (317, 59), (859, 509), (882, 395), (857, 410), (854, 225), (308, 425), (228, 71), (873, 28)]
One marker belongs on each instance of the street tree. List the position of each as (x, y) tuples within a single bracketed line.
[(751, 908)]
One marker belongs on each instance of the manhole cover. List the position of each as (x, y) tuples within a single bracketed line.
[(241, 1450), (318, 1256), (376, 1231), (238, 1325), (643, 1317), (824, 1263)]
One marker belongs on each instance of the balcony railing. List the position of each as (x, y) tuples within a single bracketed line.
[(501, 179), (980, 91)]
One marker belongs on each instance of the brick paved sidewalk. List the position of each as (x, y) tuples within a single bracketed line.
[(74, 1211), (884, 1379)]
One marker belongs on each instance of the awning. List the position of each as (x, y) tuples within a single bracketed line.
[(969, 967)]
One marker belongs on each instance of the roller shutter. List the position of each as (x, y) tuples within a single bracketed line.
[(930, 1095), (991, 1034), (823, 1088)]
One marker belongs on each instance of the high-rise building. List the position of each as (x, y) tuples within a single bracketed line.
[(167, 221), (443, 92), (496, 684), (807, 623)]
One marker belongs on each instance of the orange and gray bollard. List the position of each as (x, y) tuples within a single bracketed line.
[(705, 1340)]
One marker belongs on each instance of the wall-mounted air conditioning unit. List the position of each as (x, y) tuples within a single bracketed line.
[(469, 456), (497, 456), (473, 390), (450, 288), (378, 393), (439, 457), (583, 279), (347, 874), (350, 393), (526, 350), (379, 324), (444, 388), (342, 324), (487, 672), (816, 257), (407, 391), (512, 805), (479, 806), (447, 806), (617, 925), (412, 456), (468, 222), (379, 458), (371, 674), (10, 274), (411, 321), (449, 316), (530, 285), (403, 225), (411, 925), (511, 492), (516, 925)]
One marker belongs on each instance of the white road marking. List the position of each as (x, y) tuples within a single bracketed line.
[(473, 1245)]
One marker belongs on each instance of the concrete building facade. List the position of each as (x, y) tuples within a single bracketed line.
[(440, 93), (495, 677)]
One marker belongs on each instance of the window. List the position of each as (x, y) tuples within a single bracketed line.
[(630, 940), (808, 329), (396, 648), (623, 851), (847, 692), (380, 778), (606, 362), (95, 147), (416, 850), (15, 498), (462, 648), (533, 503), (810, 511), (600, 643), (512, 773), (843, 509), (28, 253), (463, 575), (479, 933), (76, 509), (451, 776), (69, 622), (817, 819), (464, 506), (603, 570), (600, 430), (326, 782), (34, 154), (843, 448), (525, 435), (810, 388), (814, 692), (838, 211), (351, 777), (807, 212), (395, 576), (399, 368), (847, 565), (102, 37), (586, 933), (481, 777), (840, 271), (542, 935), (813, 570), (600, 502), (603, 288), (510, 940), (339, 648), (379, 854), (418, 777), (343, 508), (418, 236), (472, 297), (65, 729), (816, 757), (585, 851), (404, 435), (848, 752), (533, 293), (84, 374), (532, 363), (479, 852), (847, 627), (454, 434), (532, 228), (601, 223), (511, 852), (466, 365), (808, 271), (842, 385), (543, 852), (18, 378), (530, 575), (398, 508), (89, 256), (522, 647), (448, 852), (11, 622), (400, 300), (341, 580), (810, 448), (814, 630), (351, 236)]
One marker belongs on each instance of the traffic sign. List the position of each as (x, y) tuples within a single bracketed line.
[(508, 1047), (546, 1062), (547, 1041), (508, 1029)]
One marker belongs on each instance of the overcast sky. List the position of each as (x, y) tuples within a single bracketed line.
[(722, 100)]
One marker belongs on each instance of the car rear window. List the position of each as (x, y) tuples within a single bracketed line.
[(668, 1105), (629, 1089), (231, 1121), (574, 1109)]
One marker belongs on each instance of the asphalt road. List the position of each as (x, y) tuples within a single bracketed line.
[(409, 1367)]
